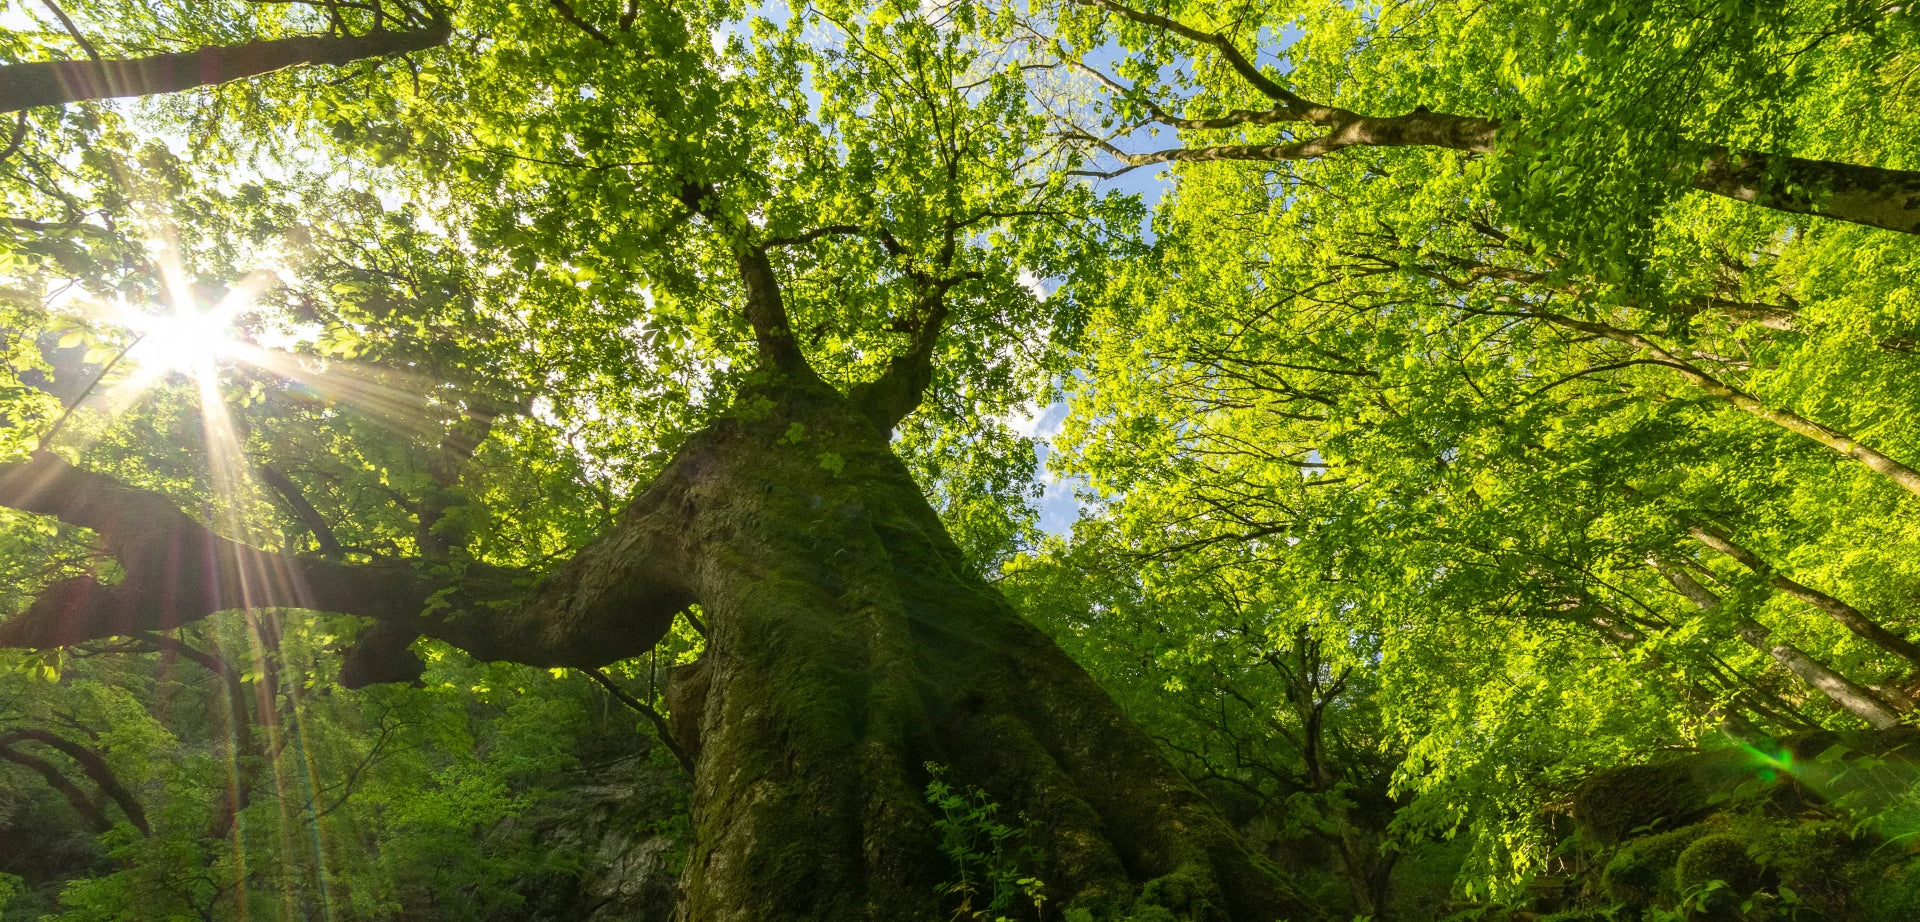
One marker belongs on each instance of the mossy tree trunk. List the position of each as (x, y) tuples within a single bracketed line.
[(850, 644)]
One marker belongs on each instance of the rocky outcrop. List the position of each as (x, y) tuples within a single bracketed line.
[(1816, 826), (616, 832)]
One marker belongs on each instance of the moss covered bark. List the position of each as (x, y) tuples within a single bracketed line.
[(850, 645)]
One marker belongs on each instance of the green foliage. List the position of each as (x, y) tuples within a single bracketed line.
[(1430, 400), (992, 861), (1390, 455)]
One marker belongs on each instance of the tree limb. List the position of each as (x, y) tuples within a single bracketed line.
[(660, 727), (92, 764), (47, 83), (1866, 195), (87, 809), (566, 12), (302, 509), (615, 599)]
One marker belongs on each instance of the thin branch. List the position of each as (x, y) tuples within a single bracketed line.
[(73, 30), (19, 138), (1222, 44), (302, 509), (659, 723), (566, 12), (47, 439)]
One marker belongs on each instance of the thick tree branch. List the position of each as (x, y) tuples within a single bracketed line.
[(766, 309), (1871, 196), (83, 805), (903, 384), (176, 570), (92, 764), (766, 312), (46, 83), (615, 599)]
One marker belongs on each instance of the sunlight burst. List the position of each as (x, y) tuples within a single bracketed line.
[(192, 337)]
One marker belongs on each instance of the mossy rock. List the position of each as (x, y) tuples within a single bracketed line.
[(1613, 805), (1893, 895), (1817, 859), (1642, 871), (1718, 857)]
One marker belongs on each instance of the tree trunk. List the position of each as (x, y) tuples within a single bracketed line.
[(1874, 196), (1851, 696), (47, 83), (850, 645)]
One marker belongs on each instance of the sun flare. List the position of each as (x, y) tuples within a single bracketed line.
[(192, 336), (186, 340)]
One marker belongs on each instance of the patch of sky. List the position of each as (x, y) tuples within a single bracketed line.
[(1059, 496)]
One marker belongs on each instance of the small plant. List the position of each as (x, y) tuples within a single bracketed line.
[(988, 856)]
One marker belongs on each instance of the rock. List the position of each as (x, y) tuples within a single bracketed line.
[(616, 829)]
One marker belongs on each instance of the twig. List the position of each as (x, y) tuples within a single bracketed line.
[(566, 12), (47, 439)]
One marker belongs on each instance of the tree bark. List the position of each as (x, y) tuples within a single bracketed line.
[(47, 83), (851, 645), (1873, 196)]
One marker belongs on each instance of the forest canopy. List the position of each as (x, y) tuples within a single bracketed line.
[(1091, 460)]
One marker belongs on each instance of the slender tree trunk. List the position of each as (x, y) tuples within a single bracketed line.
[(851, 645), (1873, 196), (1856, 699), (1872, 458), (1846, 615), (47, 83)]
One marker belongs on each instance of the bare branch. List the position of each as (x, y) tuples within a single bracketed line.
[(660, 727), (566, 12)]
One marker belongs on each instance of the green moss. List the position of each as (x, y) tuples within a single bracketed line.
[(1891, 896), (1641, 872), (1718, 857), (1809, 857), (1611, 806), (1190, 891)]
